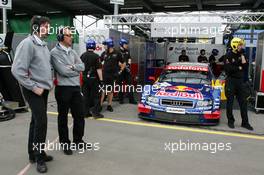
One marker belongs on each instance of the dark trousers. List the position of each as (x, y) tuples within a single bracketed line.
[(125, 76), (69, 97), (91, 95), (38, 124), (236, 87)]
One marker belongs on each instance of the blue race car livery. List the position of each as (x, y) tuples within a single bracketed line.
[(183, 93)]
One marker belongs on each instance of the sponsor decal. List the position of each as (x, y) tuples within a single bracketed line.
[(193, 68), (182, 89), (195, 95)]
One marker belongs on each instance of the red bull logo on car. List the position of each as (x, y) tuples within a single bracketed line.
[(182, 89), (181, 92)]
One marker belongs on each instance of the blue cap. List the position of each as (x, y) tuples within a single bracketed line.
[(90, 44), (122, 42), (109, 43), (215, 52)]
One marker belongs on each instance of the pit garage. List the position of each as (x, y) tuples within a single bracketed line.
[(124, 142)]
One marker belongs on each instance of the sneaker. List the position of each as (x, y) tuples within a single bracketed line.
[(231, 125), (47, 158), (109, 108), (97, 116), (88, 115), (67, 152), (42, 167), (247, 126)]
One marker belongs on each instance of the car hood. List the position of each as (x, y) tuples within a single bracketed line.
[(181, 90)]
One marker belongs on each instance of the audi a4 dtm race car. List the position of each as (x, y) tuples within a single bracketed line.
[(183, 93)]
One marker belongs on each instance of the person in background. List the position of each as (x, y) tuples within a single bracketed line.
[(92, 79), (113, 65), (67, 67), (32, 69), (126, 74), (202, 58), (212, 60), (183, 57)]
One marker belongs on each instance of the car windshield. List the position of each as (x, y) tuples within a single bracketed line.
[(183, 76)]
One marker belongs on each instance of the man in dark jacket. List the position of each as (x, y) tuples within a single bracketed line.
[(113, 65), (235, 64), (202, 58), (126, 76), (92, 79), (183, 57)]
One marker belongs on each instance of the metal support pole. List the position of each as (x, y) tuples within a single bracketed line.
[(251, 51), (82, 21), (116, 11), (4, 21)]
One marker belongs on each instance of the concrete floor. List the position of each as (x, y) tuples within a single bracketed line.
[(130, 146)]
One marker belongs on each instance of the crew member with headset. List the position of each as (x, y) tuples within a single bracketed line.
[(92, 79), (113, 65), (125, 75), (32, 69), (68, 66), (235, 64), (202, 58)]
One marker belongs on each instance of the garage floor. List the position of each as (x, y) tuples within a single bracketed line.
[(130, 146)]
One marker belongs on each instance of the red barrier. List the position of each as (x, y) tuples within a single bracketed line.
[(262, 82)]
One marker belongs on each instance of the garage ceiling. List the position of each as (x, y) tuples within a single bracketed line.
[(99, 8)]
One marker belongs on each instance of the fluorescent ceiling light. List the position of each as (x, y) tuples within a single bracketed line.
[(20, 14), (53, 12), (132, 8), (222, 5), (176, 6)]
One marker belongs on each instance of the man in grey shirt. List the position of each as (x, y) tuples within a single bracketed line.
[(68, 66), (32, 69)]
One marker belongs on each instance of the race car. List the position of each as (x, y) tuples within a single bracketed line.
[(183, 93)]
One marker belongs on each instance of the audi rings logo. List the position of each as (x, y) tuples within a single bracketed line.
[(172, 102), (98, 38)]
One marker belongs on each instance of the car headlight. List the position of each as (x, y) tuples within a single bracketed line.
[(204, 103), (151, 99)]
